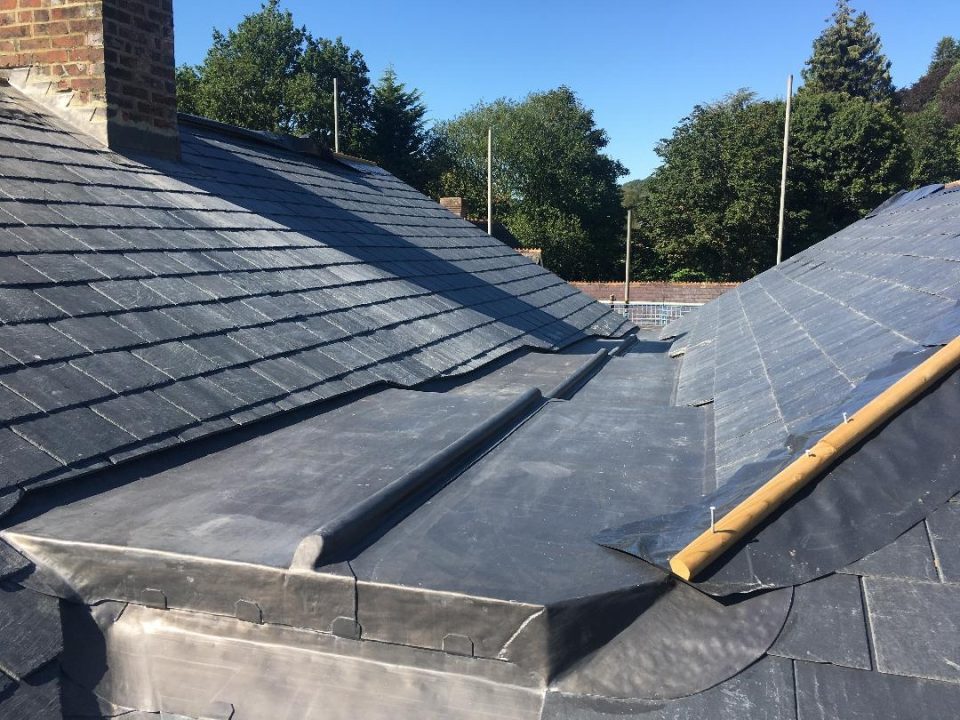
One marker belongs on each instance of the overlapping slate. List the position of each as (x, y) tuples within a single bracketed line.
[(826, 692), (827, 624), (915, 627), (122, 280)]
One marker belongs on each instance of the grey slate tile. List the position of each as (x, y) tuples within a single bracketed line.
[(11, 562), (36, 342), (826, 624), (20, 461), (120, 371), (915, 627), (764, 691), (285, 373), (130, 294), (825, 692), (176, 359), (16, 272), (151, 325), (222, 350), (944, 526), (37, 697), (74, 435), (144, 415), (13, 406), (76, 300), (115, 266), (247, 385), (23, 305), (909, 557), (98, 333), (30, 627), (55, 386), (199, 397)]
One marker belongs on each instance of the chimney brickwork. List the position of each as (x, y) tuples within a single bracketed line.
[(456, 205), (106, 66)]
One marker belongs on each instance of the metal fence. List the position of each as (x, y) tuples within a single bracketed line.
[(652, 314)]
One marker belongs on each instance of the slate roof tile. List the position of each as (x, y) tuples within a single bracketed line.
[(20, 460), (827, 624), (30, 627), (33, 342), (151, 325), (97, 333), (176, 359), (121, 371), (55, 386), (909, 557), (73, 435), (199, 397), (77, 300), (825, 692), (144, 415), (915, 626), (944, 528), (23, 305)]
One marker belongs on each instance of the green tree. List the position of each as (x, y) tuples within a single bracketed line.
[(947, 53), (933, 147), (931, 108), (634, 191), (188, 86), (324, 60), (270, 74), (848, 58), (399, 140), (710, 209), (849, 155), (554, 186)]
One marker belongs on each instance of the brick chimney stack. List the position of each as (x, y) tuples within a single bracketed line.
[(456, 205), (105, 66)]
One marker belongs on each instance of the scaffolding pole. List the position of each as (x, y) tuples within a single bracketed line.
[(783, 172)]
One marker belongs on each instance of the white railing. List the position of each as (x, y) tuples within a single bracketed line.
[(652, 314)]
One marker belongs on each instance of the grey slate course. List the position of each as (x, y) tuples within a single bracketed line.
[(121, 371), (827, 623), (944, 529), (915, 627), (31, 343), (73, 435), (97, 333), (825, 692), (55, 386), (30, 627), (144, 415), (20, 460), (909, 557)]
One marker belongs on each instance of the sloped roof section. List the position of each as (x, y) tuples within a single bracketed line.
[(790, 354), (147, 303)]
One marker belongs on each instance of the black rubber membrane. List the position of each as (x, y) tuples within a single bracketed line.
[(885, 485)]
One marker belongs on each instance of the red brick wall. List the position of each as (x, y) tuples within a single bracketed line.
[(684, 292), (114, 56)]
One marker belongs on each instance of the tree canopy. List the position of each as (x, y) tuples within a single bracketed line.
[(270, 74), (709, 210), (931, 110), (554, 187), (848, 58), (399, 138)]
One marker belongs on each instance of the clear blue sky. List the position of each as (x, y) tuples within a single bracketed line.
[(640, 65)]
